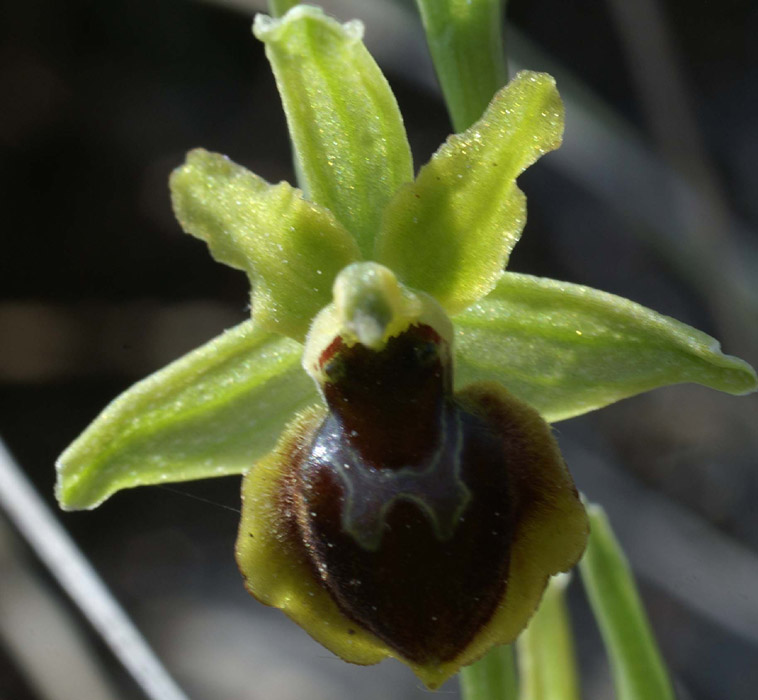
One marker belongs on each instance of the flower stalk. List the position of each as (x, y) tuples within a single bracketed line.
[(495, 677), (546, 659), (639, 672), (465, 39)]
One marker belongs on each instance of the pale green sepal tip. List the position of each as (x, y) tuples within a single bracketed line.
[(451, 231), (291, 249), (639, 672), (271, 29), (350, 144), (567, 349), (212, 412)]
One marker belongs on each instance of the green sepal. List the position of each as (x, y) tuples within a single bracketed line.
[(451, 231), (639, 672), (291, 249), (212, 412), (348, 135), (568, 349)]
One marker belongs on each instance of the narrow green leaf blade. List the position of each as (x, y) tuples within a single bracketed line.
[(291, 249), (466, 42), (348, 135), (639, 672), (492, 677), (212, 412), (546, 658), (568, 349), (451, 231)]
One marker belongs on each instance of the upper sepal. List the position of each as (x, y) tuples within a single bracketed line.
[(291, 249), (212, 412), (346, 129), (451, 231), (567, 349)]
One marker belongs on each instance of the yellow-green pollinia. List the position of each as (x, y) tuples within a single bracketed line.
[(389, 400)]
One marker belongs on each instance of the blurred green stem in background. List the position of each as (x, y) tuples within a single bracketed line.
[(546, 659), (277, 8), (465, 39), (638, 670), (491, 678)]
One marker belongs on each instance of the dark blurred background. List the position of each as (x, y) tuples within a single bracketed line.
[(652, 197)]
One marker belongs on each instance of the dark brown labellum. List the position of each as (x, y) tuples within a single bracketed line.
[(403, 498)]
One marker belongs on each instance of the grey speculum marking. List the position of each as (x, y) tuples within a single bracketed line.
[(434, 484), (393, 433)]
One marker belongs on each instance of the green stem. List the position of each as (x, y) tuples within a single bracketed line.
[(547, 663), (639, 672), (492, 677), (465, 39), (276, 8)]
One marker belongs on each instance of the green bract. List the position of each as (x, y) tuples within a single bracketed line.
[(563, 348)]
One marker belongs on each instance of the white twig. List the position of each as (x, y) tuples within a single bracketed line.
[(76, 576)]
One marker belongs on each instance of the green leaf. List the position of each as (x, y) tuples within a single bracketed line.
[(291, 249), (493, 677), (466, 42), (639, 672), (547, 663), (211, 413), (345, 125), (451, 231), (568, 349)]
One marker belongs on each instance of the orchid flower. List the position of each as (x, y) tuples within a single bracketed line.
[(389, 400)]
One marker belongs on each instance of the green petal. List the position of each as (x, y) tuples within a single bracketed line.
[(291, 249), (567, 349), (639, 672), (451, 231), (345, 125), (212, 412)]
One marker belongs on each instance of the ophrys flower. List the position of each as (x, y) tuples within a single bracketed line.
[(398, 285)]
